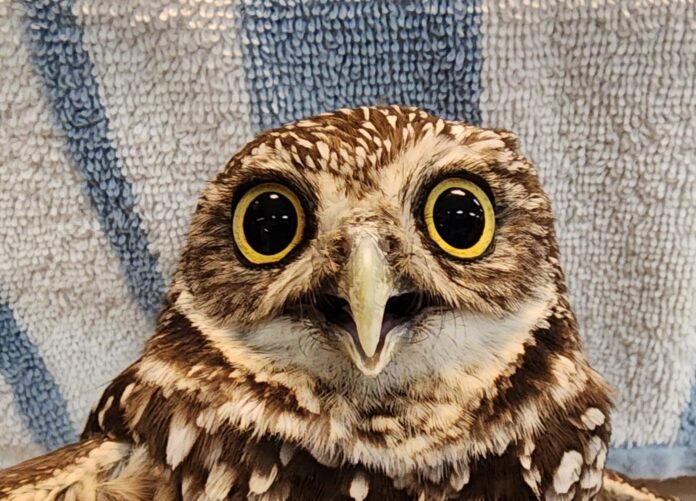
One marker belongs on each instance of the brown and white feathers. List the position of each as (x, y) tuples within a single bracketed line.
[(368, 362)]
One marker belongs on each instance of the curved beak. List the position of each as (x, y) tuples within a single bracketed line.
[(367, 285)]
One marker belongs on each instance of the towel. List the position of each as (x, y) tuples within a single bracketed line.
[(113, 115)]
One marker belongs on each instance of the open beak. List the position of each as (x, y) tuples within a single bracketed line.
[(368, 288), (366, 307), (367, 285)]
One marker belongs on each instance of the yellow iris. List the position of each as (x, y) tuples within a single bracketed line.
[(255, 255), (487, 231)]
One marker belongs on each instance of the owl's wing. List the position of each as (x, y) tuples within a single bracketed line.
[(97, 468), (619, 488)]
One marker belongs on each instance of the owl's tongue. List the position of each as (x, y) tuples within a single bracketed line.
[(403, 308), (398, 310), (389, 321)]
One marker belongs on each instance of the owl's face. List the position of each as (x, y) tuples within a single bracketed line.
[(371, 249)]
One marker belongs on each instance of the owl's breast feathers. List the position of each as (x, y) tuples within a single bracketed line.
[(186, 421)]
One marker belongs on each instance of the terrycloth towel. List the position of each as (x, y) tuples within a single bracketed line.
[(113, 115)]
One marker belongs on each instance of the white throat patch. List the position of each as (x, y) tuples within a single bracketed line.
[(455, 364)]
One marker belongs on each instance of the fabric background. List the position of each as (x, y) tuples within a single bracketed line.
[(113, 115)]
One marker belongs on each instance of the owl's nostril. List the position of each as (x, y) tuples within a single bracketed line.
[(392, 245)]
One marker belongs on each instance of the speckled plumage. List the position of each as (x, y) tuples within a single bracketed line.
[(247, 392)]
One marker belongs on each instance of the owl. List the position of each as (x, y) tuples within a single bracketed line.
[(369, 306)]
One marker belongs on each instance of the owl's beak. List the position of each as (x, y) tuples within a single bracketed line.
[(367, 285)]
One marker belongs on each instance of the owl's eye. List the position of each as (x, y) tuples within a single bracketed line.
[(459, 218), (268, 223)]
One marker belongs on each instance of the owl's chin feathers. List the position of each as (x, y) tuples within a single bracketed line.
[(436, 344), (332, 316)]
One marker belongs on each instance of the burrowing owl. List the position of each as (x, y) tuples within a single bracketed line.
[(369, 305)]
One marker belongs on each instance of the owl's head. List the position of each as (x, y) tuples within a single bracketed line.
[(371, 248)]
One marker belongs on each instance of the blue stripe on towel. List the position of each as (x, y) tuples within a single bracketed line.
[(68, 75), (305, 57), (687, 430), (37, 396), (653, 461)]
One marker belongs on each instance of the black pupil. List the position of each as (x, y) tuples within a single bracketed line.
[(459, 218), (270, 223)]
